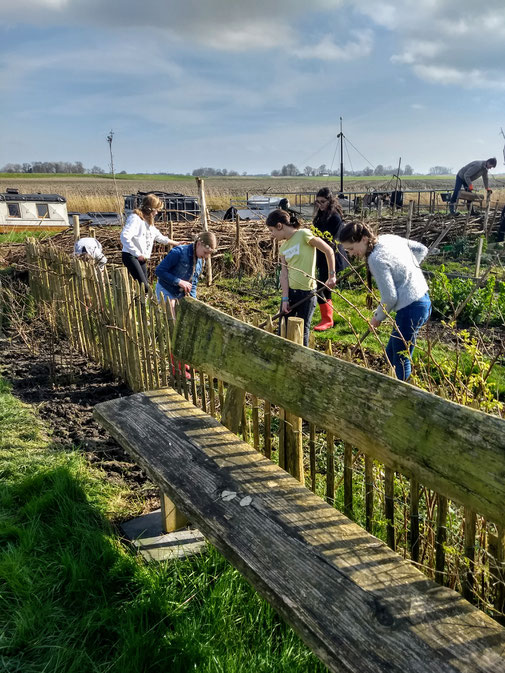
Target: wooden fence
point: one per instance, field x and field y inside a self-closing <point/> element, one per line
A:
<point x="425" y="473"/>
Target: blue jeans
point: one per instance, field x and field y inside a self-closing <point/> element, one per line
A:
<point x="409" y="321"/>
<point x="457" y="188"/>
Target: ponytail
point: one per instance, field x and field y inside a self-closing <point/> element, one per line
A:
<point x="354" y="233"/>
<point x="279" y="216"/>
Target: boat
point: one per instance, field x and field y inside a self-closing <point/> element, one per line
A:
<point x="32" y="212"/>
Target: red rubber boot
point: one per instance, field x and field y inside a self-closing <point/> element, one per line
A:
<point x="326" y="317"/>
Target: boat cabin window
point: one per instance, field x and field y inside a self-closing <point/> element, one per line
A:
<point x="14" y="210"/>
<point x="42" y="209"/>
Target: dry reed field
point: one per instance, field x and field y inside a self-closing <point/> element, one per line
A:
<point x="89" y="194"/>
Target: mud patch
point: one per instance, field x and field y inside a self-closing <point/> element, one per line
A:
<point x="63" y="387"/>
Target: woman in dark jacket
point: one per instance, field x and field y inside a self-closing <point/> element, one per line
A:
<point x="328" y="220"/>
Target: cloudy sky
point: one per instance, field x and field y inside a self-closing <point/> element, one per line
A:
<point x="249" y="85"/>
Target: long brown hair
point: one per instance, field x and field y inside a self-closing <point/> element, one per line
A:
<point x="150" y="203"/>
<point x="280" y="216"/>
<point x="353" y="232"/>
<point x="209" y="240"/>
<point x="333" y="206"/>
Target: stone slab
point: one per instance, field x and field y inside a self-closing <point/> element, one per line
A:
<point x="147" y="538"/>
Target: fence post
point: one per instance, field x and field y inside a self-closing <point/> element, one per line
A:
<point x="171" y="518"/>
<point x="205" y="223"/>
<point x="294" y="445"/>
<point x="469" y="532"/>
<point x="77" y="227"/>
<point x="409" y="219"/>
<point x="389" y="506"/>
<point x="479" y="256"/>
<point x="231" y="413"/>
<point x="441" y="538"/>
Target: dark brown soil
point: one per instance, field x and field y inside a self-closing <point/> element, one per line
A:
<point x="63" y="387"/>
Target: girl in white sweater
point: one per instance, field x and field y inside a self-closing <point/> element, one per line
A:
<point x="394" y="262"/>
<point x="138" y="236"/>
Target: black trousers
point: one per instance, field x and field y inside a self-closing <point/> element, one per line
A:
<point x="136" y="269"/>
<point x="305" y="310"/>
<point x="323" y="292"/>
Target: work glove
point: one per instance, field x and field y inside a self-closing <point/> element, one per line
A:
<point x="489" y="191"/>
<point x="470" y="188"/>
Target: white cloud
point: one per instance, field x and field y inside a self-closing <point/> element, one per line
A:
<point x="449" y="42"/>
<point x="327" y="50"/>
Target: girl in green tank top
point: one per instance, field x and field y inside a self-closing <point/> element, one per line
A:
<point x="298" y="265"/>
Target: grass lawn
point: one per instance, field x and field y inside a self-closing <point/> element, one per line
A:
<point x="75" y="601"/>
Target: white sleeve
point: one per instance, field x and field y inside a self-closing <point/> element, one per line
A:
<point x="158" y="236"/>
<point x="418" y="250"/>
<point x="387" y="288"/>
<point x="129" y="231"/>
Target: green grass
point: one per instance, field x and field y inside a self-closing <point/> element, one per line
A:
<point x="21" y="236"/>
<point x="73" y="600"/>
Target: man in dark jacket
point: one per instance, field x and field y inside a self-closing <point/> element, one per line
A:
<point x="466" y="177"/>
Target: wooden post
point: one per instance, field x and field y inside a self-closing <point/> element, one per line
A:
<point x="231" y="412"/>
<point x="205" y="224"/>
<point x="499" y="603"/>
<point x="202" y="390"/>
<point x="294" y="443"/>
<point x="468" y="579"/>
<point x="237" y="240"/>
<point x="389" y="506"/>
<point x="256" y="423"/>
<point x="486" y="215"/>
<point x="442" y="505"/>
<point x="479" y="256"/>
<point x="379" y="209"/>
<point x="312" y="454"/>
<point x="414" y="520"/>
<point x="77" y="227"/>
<point x="348" y="479"/>
<point x="369" y="485"/>
<point x="212" y="397"/>
<point x="171" y="518"/>
<point x="330" y="468"/>
<point x="409" y="218"/>
<point x="267" y="422"/>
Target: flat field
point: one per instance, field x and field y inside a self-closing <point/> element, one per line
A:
<point x="87" y="193"/>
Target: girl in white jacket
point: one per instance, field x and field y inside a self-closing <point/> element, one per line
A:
<point x="138" y="236"/>
<point x="394" y="262"/>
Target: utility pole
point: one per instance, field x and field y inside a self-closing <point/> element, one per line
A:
<point x="341" y="136"/>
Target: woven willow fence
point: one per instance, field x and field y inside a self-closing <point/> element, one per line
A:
<point x="110" y="319"/>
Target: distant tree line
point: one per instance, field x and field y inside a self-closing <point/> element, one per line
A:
<point x="208" y="172"/>
<point x="52" y="167"/>
<point x="323" y="170"/>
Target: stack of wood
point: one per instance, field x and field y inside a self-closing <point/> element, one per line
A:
<point x="248" y="245"/>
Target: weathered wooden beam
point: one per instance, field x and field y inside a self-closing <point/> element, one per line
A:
<point x="454" y="450"/>
<point x="357" y="605"/>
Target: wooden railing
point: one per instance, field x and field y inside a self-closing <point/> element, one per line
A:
<point x="425" y="473"/>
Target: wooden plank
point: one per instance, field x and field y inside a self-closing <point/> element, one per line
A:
<point x="357" y="605"/>
<point x="324" y="390"/>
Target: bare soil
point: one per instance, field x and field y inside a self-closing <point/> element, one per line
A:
<point x="63" y="387"/>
